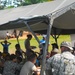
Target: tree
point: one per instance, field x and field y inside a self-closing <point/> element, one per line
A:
<point x="32" y="1"/>
<point x="36" y="1"/>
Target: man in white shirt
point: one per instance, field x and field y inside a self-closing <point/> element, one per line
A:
<point x="29" y="67"/>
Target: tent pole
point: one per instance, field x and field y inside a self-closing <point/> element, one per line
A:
<point x="55" y="34"/>
<point x="32" y="32"/>
<point x="43" y="68"/>
<point x="17" y="40"/>
<point x="16" y="36"/>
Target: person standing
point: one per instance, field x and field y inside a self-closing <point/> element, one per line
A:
<point x="27" y="42"/>
<point x="8" y="35"/>
<point x="5" y="45"/>
<point x="28" y="47"/>
<point x="43" y="40"/>
<point x="62" y="64"/>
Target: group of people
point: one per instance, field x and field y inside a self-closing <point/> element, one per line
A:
<point x="10" y="64"/>
<point x="56" y="63"/>
<point x="62" y="63"/>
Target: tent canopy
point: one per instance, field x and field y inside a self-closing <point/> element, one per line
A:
<point x="60" y="11"/>
<point x="33" y="22"/>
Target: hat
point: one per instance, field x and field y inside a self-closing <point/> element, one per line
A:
<point x="44" y="36"/>
<point x="55" y="50"/>
<point x="66" y="44"/>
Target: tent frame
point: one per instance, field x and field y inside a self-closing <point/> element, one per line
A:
<point x="43" y="67"/>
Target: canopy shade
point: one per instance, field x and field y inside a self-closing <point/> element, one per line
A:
<point x="60" y="11"/>
<point x="33" y="22"/>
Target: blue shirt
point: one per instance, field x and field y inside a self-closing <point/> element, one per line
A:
<point x="42" y="41"/>
<point x="5" y="47"/>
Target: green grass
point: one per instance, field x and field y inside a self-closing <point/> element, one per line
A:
<point x="34" y="42"/>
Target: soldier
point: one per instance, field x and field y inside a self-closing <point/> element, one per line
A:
<point x="62" y="64"/>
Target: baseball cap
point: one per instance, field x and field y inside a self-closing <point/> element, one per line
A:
<point x="66" y="44"/>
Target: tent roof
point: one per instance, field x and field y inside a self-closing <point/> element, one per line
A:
<point x="33" y="22"/>
<point x="61" y="11"/>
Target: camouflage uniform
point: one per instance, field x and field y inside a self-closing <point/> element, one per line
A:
<point x="9" y="68"/>
<point x="61" y="64"/>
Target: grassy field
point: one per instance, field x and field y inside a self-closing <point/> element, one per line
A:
<point x="33" y="42"/>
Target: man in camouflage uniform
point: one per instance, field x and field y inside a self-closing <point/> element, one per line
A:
<point x="62" y="64"/>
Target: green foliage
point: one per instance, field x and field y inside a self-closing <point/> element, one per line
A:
<point x="10" y="7"/>
<point x="24" y="4"/>
<point x="34" y="1"/>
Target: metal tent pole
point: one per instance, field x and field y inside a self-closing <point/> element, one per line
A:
<point x="43" y="67"/>
<point x="17" y="40"/>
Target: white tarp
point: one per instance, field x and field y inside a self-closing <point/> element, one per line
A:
<point x="61" y="11"/>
